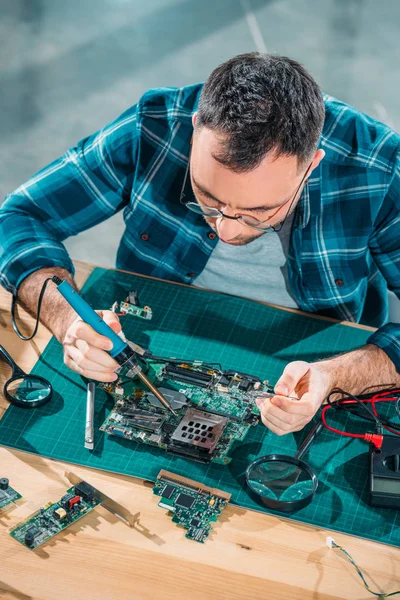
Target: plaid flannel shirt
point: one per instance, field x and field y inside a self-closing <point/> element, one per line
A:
<point x="345" y="243"/>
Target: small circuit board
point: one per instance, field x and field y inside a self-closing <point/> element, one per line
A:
<point x="8" y="496"/>
<point x="214" y="409"/>
<point x="53" y="518"/>
<point x="130" y="306"/>
<point x="195" y="506"/>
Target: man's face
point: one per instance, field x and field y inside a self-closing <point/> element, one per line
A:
<point x="264" y="193"/>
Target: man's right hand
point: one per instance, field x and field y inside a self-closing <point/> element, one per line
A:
<point x="85" y="351"/>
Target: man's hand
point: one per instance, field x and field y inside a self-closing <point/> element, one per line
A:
<point x="85" y="351"/>
<point x="354" y="372"/>
<point x="309" y="383"/>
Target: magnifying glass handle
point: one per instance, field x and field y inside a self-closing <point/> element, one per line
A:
<point x="16" y="370"/>
<point x="312" y="434"/>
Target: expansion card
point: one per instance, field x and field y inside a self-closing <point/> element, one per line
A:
<point x="195" y="506"/>
<point x="8" y="496"/>
<point x="56" y="516"/>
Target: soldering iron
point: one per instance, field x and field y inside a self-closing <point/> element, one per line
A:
<point x="121" y="351"/>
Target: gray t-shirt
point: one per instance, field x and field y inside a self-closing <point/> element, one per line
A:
<point x="257" y="270"/>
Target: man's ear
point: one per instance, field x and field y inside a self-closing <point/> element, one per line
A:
<point x="194" y="117"/>
<point x="319" y="155"/>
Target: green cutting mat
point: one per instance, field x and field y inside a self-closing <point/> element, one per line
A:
<point x="240" y="334"/>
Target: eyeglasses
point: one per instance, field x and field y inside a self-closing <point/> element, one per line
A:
<point x="247" y="220"/>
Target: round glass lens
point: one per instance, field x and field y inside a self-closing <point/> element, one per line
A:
<point x="203" y="210"/>
<point x="254" y="223"/>
<point x="281" y="481"/>
<point x="28" y="389"/>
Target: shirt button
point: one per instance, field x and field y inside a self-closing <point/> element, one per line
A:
<point x="339" y="282"/>
<point x="211" y="235"/>
<point x="191" y="275"/>
<point x="144" y="237"/>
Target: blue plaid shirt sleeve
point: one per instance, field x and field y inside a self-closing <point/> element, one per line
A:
<point x="385" y="248"/>
<point x="87" y="185"/>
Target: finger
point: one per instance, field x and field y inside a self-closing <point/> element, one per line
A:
<point x="271" y="421"/>
<point x="281" y="428"/>
<point x="315" y="398"/>
<point x="93" y="359"/>
<point x="96" y="355"/>
<point x="82" y="331"/>
<point x="111" y="319"/>
<point x="304" y="406"/>
<point x="281" y="418"/>
<point x="103" y="376"/>
<point x="274" y="428"/>
<point x="290" y="377"/>
<point x="283" y="405"/>
<point x="278" y="416"/>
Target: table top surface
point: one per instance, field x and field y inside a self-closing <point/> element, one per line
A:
<point x="248" y="555"/>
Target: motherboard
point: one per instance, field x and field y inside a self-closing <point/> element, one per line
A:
<point x="214" y="409"/>
<point x="194" y="506"/>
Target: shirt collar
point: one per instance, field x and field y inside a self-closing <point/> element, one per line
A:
<point x="303" y="209"/>
<point x="308" y="199"/>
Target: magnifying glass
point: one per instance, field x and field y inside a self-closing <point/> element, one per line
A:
<point x="24" y="390"/>
<point x="284" y="483"/>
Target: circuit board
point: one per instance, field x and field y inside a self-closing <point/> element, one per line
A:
<point x="54" y="517"/>
<point x="195" y="506"/>
<point x="130" y="306"/>
<point x="8" y="496"/>
<point x="214" y="409"/>
<point x="135" y="311"/>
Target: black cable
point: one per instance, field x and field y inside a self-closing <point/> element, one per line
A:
<point x="360" y="402"/>
<point x="367" y="413"/>
<point x="397" y="408"/>
<point x="187" y="361"/>
<point x="39" y="306"/>
<point x="365" y="396"/>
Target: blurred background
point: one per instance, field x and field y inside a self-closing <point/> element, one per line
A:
<point x="67" y="67"/>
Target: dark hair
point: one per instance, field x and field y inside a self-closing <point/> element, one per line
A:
<point x="260" y="104"/>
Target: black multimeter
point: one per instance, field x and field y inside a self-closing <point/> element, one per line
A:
<point x="384" y="487"/>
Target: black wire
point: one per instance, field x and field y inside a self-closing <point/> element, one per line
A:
<point x="354" y="409"/>
<point x="397" y="408"/>
<point x="365" y="396"/>
<point x="39" y="306"/>
<point x="360" y="402"/>
<point x="187" y="361"/>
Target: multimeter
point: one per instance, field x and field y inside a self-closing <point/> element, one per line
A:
<point x="384" y="485"/>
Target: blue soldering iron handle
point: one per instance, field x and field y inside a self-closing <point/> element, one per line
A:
<point x="89" y="316"/>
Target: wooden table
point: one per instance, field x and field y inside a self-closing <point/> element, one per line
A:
<point x="248" y="555"/>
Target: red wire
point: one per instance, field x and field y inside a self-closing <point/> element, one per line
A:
<point x="379" y="397"/>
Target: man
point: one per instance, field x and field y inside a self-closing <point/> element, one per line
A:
<point x="253" y="184"/>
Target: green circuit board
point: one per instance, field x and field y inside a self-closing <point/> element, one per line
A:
<point x="8" y="496"/>
<point x="195" y="506"/>
<point x="54" y="517"/>
<point x="135" y="311"/>
<point x="214" y="409"/>
<point x="130" y="306"/>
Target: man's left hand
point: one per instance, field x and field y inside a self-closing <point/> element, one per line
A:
<point x="310" y="383"/>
